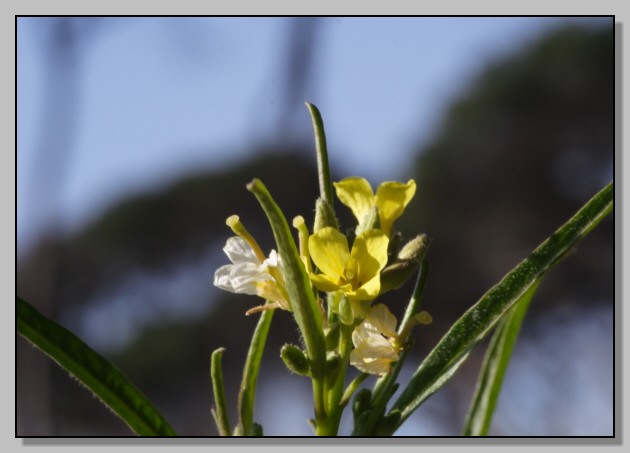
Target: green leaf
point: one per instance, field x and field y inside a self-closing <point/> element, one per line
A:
<point x="494" y="366"/>
<point x="220" y="412"/>
<point x="477" y="321"/>
<point x="246" y="397"/>
<point x="92" y="370"/>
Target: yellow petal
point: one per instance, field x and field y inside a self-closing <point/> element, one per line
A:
<point x="368" y="290"/>
<point x="329" y="251"/>
<point x="325" y="283"/>
<point x="370" y="252"/>
<point x="357" y="194"/>
<point x="391" y="200"/>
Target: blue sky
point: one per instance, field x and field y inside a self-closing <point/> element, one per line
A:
<point x="160" y="97"/>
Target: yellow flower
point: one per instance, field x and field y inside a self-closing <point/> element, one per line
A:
<point x="356" y="272"/>
<point x="390" y="200"/>
<point x="375" y="341"/>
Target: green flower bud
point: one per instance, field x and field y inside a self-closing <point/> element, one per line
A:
<point x="256" y="430"/>
<point x="361" y="402"/>
<point x="333" y="365"/>
<point x="416" y="249"/>
<point x="405" y="264"/>
<point x="369" y="221"/>
<point x="345" y="311"/>
<point x="324" y="216"/>
<point x="393" y="247"/>
<point x="295" y="359"/>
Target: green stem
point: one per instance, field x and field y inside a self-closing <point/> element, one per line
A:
<point x="220" y="412"/>
<point x="352" y="387"/>
<point x="414" y="303"/>
<point x="246" y="397"/>
<point x="334" y="395"/>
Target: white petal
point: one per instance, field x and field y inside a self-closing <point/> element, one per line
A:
<point x="374" y="355"/>
<point x="362" y="332"/>
<point x="377" y="347"/>
<point x="239" y="251"/>
<point x="382" y="320"/>
<point x="375" y="367"/>
<point x="244" y="277"/>
<point x="239" y="278"/>
<point x="222" y="277"/>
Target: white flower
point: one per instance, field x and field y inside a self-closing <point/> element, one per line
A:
<point x="247" y="275"/>
<point x="375" y="341"/>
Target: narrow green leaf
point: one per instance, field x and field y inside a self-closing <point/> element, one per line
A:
<point x="247" y="395"/>
<point x="220" y="411"/>
<point x="92" y="370"/>
<point x="477" y="321"/>
<point x="325" y="181"/>
<point x="494" y="366"/>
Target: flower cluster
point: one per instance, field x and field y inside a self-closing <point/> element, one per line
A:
<point x="348" y="268"/>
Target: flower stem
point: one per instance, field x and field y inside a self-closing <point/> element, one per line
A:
<point x="334" y="394"/>
<point x="250" y="375"/>
<point x="220" y="411"/>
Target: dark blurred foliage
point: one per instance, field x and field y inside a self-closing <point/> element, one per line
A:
<point x="527" y="144"/>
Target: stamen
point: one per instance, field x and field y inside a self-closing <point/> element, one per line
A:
<point x="267" y="306"/>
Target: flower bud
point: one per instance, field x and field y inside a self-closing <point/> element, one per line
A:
<point x="345" y="311"/>
<point x="295" y="359"/>
<point x="361" y="401"/>
<point x="393" y="247"/>
<point x="405" y="264"/>
<point x="324" y="216"/>
<point x="369" y="221"/>
<point x="333" y="365"/>
<point x="256" y="430"/>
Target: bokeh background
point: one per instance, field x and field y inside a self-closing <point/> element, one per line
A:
<point x="136" y="137"/>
